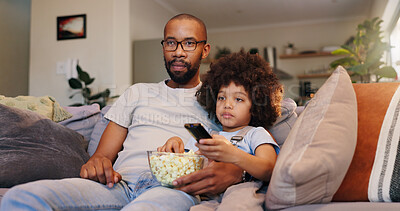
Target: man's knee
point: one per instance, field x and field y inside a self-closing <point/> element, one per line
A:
<point x="21" y="197"/>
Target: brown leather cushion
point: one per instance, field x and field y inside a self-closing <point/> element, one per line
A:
<point x="372" y="102"/>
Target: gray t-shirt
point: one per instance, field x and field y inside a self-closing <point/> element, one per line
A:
<point x="152" y="112"/>
<point x="253" y="138"/>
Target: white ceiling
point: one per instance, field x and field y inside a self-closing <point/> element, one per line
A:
<point x="231" y="14"/>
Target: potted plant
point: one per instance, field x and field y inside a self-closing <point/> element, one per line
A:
<point x="82" y="83"/>
<point x="364" y="53"/>
<point x="222" y="52"/>
<point x="289" y="49"/>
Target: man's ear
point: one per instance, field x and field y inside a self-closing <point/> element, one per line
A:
<point x="206" y="50"/>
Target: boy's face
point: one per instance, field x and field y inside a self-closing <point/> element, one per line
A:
<point x="233" y="107"/>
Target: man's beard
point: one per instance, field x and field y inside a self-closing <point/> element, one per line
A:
<point x="181" y="79"/>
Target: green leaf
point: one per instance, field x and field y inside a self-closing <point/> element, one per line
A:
<point x="84" y="76"/>
<point x="349" y="48"/>
<point x="79" y="69"/>
<point x="76" y="104"/>
<point x="104" y="94"/>
<point x="387" y="72"/>
<point x="86" y="93"/>
<point x="376" y="51"/>
<point x="75" y="83"/>
<point x="101" y="104"/>
<point x="345" y="62"/>
<point x="341" y="51"/>
<point x="89" y="81"/>
<point x="359" y="69"/>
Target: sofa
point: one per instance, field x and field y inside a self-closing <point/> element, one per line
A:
<point x="339" y="152"/>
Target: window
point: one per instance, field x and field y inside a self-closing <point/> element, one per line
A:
<point x="395" y="50"/>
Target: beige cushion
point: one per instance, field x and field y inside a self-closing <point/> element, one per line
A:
<point x="45" y="105"/>
<point x="317" y="153"/>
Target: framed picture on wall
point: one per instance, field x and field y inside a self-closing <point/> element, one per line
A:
<point x="71" y="27"/>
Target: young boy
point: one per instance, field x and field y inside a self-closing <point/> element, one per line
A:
<point x="240" y="90"/>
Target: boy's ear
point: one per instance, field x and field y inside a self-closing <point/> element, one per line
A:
<point x="206" y="51"/>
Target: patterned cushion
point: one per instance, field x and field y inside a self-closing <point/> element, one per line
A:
<point x="46" y="106"/>
<point x="371" y="115"/>
<point x="317" y="153"/>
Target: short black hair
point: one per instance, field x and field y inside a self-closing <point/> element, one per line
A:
<point x="186" y="16"/>
<point x="257" y="78"/>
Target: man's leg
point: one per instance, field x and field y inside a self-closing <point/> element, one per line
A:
<point x="162" y="198"/>
<point x="65" y="194"/>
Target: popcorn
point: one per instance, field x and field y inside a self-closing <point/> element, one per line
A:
<point x="167" y="167"/>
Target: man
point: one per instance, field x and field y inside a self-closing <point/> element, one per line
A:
<point x="140" y="120"/>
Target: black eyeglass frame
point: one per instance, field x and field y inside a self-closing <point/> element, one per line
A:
<point x="177" y="44"/>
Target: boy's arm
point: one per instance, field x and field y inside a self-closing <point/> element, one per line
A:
<point x="261" y="164"/>
<point x="99" y="166"/>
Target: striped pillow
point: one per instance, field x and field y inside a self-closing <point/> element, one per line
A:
<point x="374" y="172"/>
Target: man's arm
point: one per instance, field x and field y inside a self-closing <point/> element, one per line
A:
<point x="213" y="179"/>
<point x="99" y="166"/>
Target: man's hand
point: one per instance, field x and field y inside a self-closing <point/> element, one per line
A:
<point x="100" y="169"/>
<point x="213" y="179"/>
<point x="99" y="166"/>
<point x="173" y="144"/>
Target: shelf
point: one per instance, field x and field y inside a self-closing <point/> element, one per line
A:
<point x="318" y="75"/>
<point x="306" y="55"/>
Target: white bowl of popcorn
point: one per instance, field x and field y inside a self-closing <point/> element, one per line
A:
<point x="167" y="166"/>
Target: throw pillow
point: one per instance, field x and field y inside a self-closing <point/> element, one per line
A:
<point x="46" y="106"/>
<point x="83" y="119"/>
<point x="33" y="147"/>
<point x="282" y="126"/>
<point x="317" y="153"/>
<point x="377" y="146"/>
<point x="98" y="131"/>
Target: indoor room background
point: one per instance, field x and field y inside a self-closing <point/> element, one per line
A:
<point x="122" y="45"/>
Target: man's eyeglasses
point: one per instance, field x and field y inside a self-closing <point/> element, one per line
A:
<point x="187" y="45"/>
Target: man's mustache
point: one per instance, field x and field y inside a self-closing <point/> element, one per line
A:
<point x="180" y="61"/>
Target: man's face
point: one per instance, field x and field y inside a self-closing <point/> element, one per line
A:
<point x="182" y="66"/>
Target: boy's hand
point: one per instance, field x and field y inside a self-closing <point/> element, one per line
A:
<point x="218" y="148"/>
<point x="100" y="169"/>
<point x="173" y="144"/>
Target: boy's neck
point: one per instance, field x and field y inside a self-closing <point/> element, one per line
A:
<point x="225" y="129"/>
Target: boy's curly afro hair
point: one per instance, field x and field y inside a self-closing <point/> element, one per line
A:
<point x="257" y="78"/>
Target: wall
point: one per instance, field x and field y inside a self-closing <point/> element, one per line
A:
<point x="305" y="36"/>
<point x="378" y="6"/>
<point x="148" y="65"/>
<point x="14" y="50"/>
<point x="100" y="54"/>
<point x="148" y="19"/>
